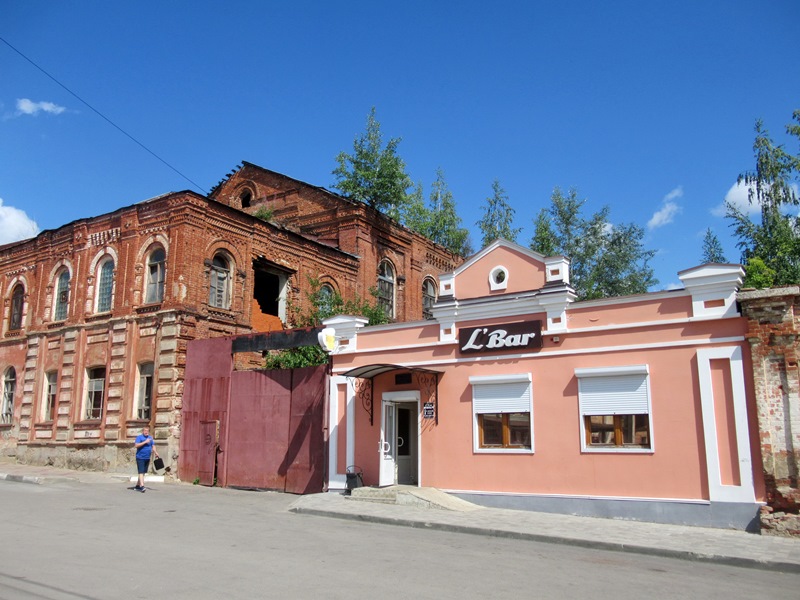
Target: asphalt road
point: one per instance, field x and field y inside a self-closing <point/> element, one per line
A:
<point x="70" y="541"/>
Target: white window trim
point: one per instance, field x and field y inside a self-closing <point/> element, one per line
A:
<point x="614" y="372"/>
<point x="495" y="285"/>
<point x="495" y="379"/>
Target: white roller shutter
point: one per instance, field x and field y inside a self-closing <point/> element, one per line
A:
<point x="501" y="397"/>
<point x="614" y="394"/>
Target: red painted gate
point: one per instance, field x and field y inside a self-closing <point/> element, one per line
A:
<point x="271" y="424"/>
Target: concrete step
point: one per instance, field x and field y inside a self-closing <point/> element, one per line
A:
<point x="408" y="495"/>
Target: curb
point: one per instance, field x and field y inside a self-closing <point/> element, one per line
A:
<point x="20" y="478"/>
<point x="566" y="541"/>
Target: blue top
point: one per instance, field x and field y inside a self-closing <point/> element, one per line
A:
<point x="144" y="451"/>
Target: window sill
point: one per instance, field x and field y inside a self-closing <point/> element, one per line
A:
<point x="503" y="450"/>
<point x="221" y="313"/>
<point x="97" y="316"/>
<point x="14" y="333"/>
<point x="88" y="424"/>
<point x="148" y="308"/>
<point x="615" y="450"/>
<point x="44" y="425"/>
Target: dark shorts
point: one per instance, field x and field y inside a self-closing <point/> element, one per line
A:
<point x="142" y="464"/>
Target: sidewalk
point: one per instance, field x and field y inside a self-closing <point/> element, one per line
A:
<point x="689" y="543"/>
<point x="10" y="470"/>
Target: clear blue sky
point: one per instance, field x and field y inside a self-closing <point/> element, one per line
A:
<point x="647" y="107"/>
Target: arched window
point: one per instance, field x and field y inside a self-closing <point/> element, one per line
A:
<point x="9" y="388"/>
<point x="246" y="197"/>
<point x="62" y="296"/>
<point x="325" y="301"/>
<point x="428" y="298"/>
<point x="156" y="270"/>
<point x="386" y="288"/>
<point x="219" y="290"/>
<point x="105" y="285"/>
<point x="17" y="301"/>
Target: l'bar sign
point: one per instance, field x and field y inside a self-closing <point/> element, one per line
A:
<point x="501" y="338"/>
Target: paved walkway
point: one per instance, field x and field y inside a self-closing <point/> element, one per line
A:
<point x="676" y="541"/>
<point x="691" y="543"/>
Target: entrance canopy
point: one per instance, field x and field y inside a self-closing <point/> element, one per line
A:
<point x="370" y="371"/>
<point x="426" y="378"/>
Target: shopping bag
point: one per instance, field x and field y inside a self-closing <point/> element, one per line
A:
<point x="158" y="463"/>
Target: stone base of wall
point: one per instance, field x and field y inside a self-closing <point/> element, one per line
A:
<point x="782" y="516"/>
<point x="108" y="458"/>
<point x="721" y="515"/>
<point x="779" y="523"/>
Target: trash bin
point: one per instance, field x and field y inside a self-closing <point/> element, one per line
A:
<point x="354" y="478"/>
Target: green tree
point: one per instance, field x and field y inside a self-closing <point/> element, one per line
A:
<point x="439" y="220"/>
<point x="374" y="173"/>
<point x="712" y="249"/>
<point x="773" y="185"/>
<point x="605" y="260"/>
<point x="544" y="238"/>
<point x="321" y="303"/>
<point x="445" y="225"/>
<point x="497" y="217"/>
<point x="416" y="215"/>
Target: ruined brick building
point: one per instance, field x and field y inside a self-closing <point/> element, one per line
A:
<point x="773" y="333"/>
<point x="97" y="313"/>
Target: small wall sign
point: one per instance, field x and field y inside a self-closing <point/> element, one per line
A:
<point x="428" y="411"/>
<point x="501" y="338"/>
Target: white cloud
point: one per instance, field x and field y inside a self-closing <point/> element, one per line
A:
<point x="29" y="107"/>
<point x="666" y="214"/>
<point x="15" y="225"/>
<point x="738" y="195"/>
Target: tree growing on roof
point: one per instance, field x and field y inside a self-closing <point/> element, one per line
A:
<point x="374" y="174"/>
<point x="605" y="260"/>
<point x="712" y="249"/>
<point x="770" y="248"/>
<point x="439" y="221"/>
<point x="497" y="217"/>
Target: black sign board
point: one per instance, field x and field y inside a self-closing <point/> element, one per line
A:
<point x="428" y="412"/>
<point x="511" y="337"/>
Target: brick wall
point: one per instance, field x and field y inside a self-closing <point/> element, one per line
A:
<point x="316" y="234"/>
<point x="773" y="327"/>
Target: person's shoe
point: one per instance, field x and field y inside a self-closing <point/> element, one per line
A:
<point x="142" y="489"/>
<point x="138" y="488"/>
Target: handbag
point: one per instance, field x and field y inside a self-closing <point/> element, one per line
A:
<point x="158" y="463"/>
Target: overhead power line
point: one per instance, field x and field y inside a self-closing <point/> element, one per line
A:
<point x="105" y="118"/>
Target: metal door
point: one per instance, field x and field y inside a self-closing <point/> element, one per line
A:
<point x="209" y="442"/>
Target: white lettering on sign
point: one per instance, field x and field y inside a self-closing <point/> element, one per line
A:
<point x="497" y="338"/>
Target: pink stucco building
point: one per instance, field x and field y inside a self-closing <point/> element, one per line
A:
<point x="516" y="395"/>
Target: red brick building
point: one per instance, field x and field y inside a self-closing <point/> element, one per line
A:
<point x="97" y="313"/>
